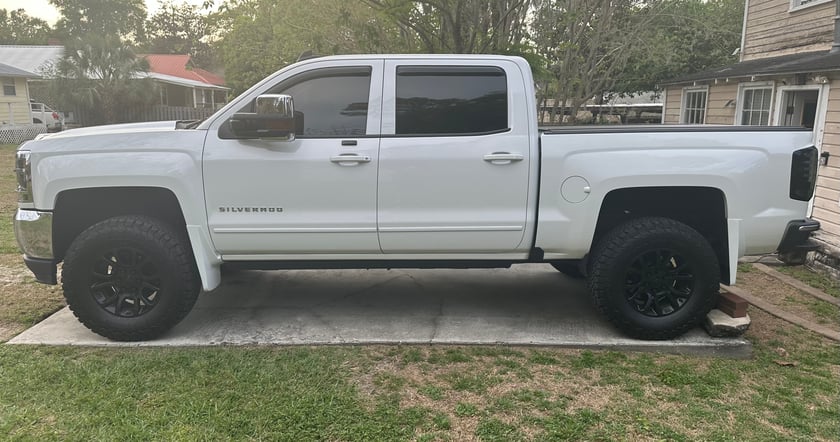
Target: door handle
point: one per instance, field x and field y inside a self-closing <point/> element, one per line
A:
<point x="349" y="159"/>
<point x="503" y="157"/>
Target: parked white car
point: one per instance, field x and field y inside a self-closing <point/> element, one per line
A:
<point x="405" y="161"/>
<point x="42" y="114"/>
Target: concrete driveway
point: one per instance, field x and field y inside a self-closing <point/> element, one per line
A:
<point x="523" y="305"/>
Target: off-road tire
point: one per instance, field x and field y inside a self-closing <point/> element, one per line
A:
<point x="160" y="248"/>
<point x="610" y="278"/>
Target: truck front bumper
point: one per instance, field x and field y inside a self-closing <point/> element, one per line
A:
<point x="797" y="237"/>
<point x="33" y="230"/>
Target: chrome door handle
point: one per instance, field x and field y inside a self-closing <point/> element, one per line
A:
<point x="349" y="159"/>
<point x="503" y="157"/>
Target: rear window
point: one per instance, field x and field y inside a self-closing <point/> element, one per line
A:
<point x="451" y="100"/>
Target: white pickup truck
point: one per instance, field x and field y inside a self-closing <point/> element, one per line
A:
<point x="42" y="114"/>
<point x="406" y="161"/>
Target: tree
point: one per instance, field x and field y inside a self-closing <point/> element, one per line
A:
<point x="102" y="75"/>
<point x="687" y="36"/>
<point x="122" y="18"/>
<point x="587" y="44"/>
<point x="180" y="29"/>
<point x="460" y="26"/>
<point x="17" y="27"/>
<point x="259" y="37"/>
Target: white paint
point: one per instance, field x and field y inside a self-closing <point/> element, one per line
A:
<point x="419" y="197"/>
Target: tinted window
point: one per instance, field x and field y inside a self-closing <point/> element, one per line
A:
<point x="450" y="100"/>
<point x="331" y="102"/>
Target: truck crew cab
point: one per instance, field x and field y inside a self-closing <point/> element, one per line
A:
<point x="409" y="161"/>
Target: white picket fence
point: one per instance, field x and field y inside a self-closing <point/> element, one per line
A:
<point x="18" y="133"/>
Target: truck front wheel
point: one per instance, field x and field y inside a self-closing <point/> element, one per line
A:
<point x="654" y="278"/>
<point x="130" y="278"/>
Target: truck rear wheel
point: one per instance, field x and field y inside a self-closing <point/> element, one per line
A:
<point x="654" y="278"/>
<point x="129" y="278"/>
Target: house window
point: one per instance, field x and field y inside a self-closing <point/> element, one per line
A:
<point x="164" y="95"/>
<point x="801" y="4"/>
<point x="9" y="87"/>
<point x="755" y="106"/>
<point x="694" y="105"/>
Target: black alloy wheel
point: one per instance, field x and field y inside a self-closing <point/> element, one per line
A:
<point x="125" y="283"/>
<point x="659" y="283"/>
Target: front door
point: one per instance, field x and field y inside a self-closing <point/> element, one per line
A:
<point x="454" y="159"/>
<point x="314" y="195"/>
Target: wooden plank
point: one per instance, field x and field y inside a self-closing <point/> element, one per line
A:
<point x="827" y="204"/>
<point x="834" y="100"/>
<point x="781" y="10"/>
<point x="828" y="183"/>
<point x="830" y="171"/>
<point x="767" y="9"/>
<point x="833" y="116"/>
<point x="830" y="221"/>
<point x="827" y="208"/>
<point x="790" y="21"/>
<point x="812" y="32"/>
<point x="830" y="194"/>
<point x="797" y="284"/>
<point x="783" y="47"/>
<point x="779" y="313"/>
<point x="833" y="229"/>
<point x="831" y="127"/>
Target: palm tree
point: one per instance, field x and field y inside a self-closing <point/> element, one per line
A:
<point x="103" y="75"/>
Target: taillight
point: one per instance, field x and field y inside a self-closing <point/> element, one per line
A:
<point x="55" y="115"/>
<point x="803" y="173"/>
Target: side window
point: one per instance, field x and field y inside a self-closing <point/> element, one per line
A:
<point x="330" y="102"/>
<point x="451" y="100"/>
<point x="694" y="105"/>
<point x="9" y="87"/>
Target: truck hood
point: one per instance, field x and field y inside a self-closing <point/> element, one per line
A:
<point x="130" y="128"/>
<point x="135" y="137"/>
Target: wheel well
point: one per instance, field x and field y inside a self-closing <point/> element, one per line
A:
<point x="702" y="208"/>
<point x="78" y="209"/>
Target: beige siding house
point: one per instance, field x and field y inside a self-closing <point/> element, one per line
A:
<point x="14" y="101"/>
<point x="788" y="76"/>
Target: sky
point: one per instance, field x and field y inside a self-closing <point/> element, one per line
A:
<point x="43" y="10"/>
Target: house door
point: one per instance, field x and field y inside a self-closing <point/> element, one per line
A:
<point x="800" y="108"/>
<point x="804" y="106"/>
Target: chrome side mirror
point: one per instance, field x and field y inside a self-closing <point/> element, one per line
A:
<point x="274" y="119"/>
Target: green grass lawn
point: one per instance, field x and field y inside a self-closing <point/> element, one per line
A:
<point x="8" y="198"/>
<point x="787" y="391"/>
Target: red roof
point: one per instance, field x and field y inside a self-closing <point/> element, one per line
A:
<point x="179" y="66"/>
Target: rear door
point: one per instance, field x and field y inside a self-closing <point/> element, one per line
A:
<point x="454" y="158"/>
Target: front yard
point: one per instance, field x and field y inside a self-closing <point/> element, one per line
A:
<point x="788" y="390"/>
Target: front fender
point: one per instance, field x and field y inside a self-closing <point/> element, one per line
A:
<point x="177" y="171"/>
